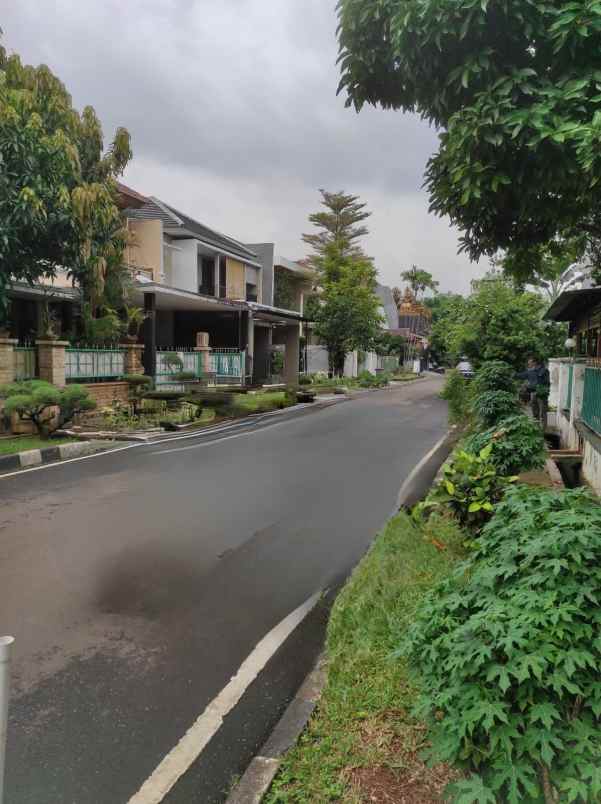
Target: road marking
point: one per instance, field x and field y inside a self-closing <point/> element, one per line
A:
<point x="253" y="431"/>
<point x="415" y="471"/>
<point x="69" y="460"/>
<point x="189" y="748"/>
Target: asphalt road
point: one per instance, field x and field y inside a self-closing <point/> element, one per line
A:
<point x="136" y="583"/>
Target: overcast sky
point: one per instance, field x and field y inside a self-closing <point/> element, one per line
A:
<point x="234" y="118"/>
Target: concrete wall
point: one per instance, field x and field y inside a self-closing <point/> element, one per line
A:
<point x="184" y="266"/>
<point x="317" y="360"/>
<point x="235" y="279"/>
<point x="591" y="465"/>
<point x="265" y="253"/>
<point x="146" y="248"/>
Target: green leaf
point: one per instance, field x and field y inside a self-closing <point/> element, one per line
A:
<point x="472" y="791"/>
<point x="450" y="487"/>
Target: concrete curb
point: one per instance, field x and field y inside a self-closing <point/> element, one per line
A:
<point x="62" y="452"/>
<point x="259" y="775"/>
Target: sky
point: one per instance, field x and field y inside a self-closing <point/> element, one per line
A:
<point x="234" y="118"/>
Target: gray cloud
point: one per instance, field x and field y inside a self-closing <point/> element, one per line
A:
<point x="234" y="116"/>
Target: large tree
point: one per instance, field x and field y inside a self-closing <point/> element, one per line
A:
<point x="449" y="310"/>
<point x="500" y="322"/>
<point x="57" y="183"/>
<point x="340" y="223"/>
<point x="418" y="280"/>
<point x="515" y="90"/>
<point x="347" y="314"/>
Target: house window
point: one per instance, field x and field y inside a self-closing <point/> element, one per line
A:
<point x="206" y="275"/>
<point x="252" y="283"/>
<point x="222" y="277"/>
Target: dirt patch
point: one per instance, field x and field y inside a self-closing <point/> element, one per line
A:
<point x="398" y="774"/>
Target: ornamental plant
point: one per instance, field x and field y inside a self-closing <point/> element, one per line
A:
<point x="470" y="488"/>
<point x="509" y="649"/>
<point x="518" y="444"/>
<point x="495" y="375"/>
<point x="491" y="407"/>
<point x="457" y="393"/>
<point x="45" y="405"/>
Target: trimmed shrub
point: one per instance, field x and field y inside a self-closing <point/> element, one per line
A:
<point x="508" y="651"/>
<point x="518" y="444"/>
<point x="45" y="405"/>
<point x="457" y="393"/>
<point x="495" y="375"/>
<point x="491" y="407"/>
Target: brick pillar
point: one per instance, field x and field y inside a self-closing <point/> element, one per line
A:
<point x="133" y="358"/>
<point x="202" y="346"/>
<point x="51" y="361"/>
<point x="7" y="360"/>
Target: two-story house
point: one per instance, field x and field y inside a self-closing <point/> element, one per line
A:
<point x="192" y="279"/>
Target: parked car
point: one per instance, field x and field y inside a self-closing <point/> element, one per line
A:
<point x="465" y="368"/>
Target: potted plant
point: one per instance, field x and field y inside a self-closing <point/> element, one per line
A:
<point x="134" y="318"/>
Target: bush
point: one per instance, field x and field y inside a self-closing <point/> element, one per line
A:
<point x="137" y="379"/>
<point x="365" y="379"/>
<point x="491" y="407"/>
<point x="304" y="379"/>
<point x="184" y="376"/>
<point x="495" y="375"/>
<point x="518" y="444"/>
<point x="470" y="488"/>
<point x="508" y="652"/>
<point x="45" y="405"/>
<point x="457" y="393"/>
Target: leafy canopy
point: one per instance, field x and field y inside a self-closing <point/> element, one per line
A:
<point x="515" y="89"/>
<point x="499" y="322"/>
<point x="57" y="183"/>
<point x="419" y="280"/>
<point x="340" y="223"/>
<point x="45" y="405"/>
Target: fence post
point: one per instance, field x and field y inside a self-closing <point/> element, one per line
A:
<point x="202" y="346"/>
<point x="5" y="653"/>
<point x="133" y="358"/>
<point x="7" y="360"/>
<point x="51" y="361"/>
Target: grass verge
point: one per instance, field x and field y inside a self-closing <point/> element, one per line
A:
<point x="363" y="744"/>
<point x="9" y="446"/>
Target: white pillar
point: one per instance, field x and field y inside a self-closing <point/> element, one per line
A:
<point x="291" y="354"/>
<point x="217" y="277"/>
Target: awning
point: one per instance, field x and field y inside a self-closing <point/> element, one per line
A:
<point x="52" y="293"/>
<point x="168" y="298"/>
<point x="573" y="303"/>
<point x="274" y="315"/>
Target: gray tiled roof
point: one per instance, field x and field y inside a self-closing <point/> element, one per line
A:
<point x="174" y="220"/>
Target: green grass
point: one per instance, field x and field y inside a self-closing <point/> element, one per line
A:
<point x="255" y="403"/>
<point x="362" y="719"/>
<point x="8" y="446"/>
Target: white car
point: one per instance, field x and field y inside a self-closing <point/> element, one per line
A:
<point x="465" y="368"/>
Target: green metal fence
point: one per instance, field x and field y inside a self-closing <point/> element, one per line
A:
<point x="228" y="366"/>
<point x="591" y="400"/>
<point x="94" y="364"/>
<point x="25" y="362"/>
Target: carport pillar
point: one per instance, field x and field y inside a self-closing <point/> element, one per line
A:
<point x="150" y="334"/>
<point x="291" y="354"/>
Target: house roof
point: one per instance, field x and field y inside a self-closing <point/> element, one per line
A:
<point x="294" y="267"/>
<point x="181" y="225"/>
<point x="571" y="303"/>
<point x="129" y="197"/>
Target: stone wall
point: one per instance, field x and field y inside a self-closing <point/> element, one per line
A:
<point x="105" y="393"/>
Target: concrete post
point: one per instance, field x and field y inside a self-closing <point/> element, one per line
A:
<point x="133" y="358"/>
<point x="7" y="360"/>
<point x="150" y="334"/>
<point x="554" y="366"/>
<point x="5" y="654"/>
<point x="577" y="392"/>
<point x="291" y="354"/>
<point x="202" y="346"/>
<point x="51" y="361"/>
